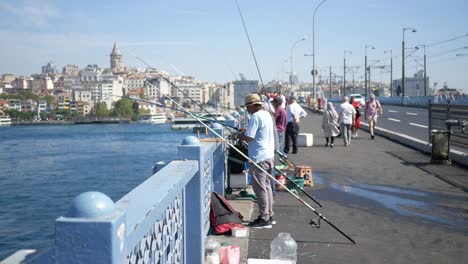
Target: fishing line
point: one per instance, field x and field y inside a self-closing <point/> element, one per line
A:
<point x="176" y="109"/>
<point x="180" y="90"/>
<point x="250" y="44"/>
<point x="313" y="222"/>
<point x="229" y="127"/>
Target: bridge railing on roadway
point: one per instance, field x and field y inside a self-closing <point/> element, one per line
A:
<point x="163" y="220"/>
<point x="421" y="101"/>
<point x="439" y="113"/>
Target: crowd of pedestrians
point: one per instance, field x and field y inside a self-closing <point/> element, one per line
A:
<point x="273" y="124"/>
<point x="345" y="121"/>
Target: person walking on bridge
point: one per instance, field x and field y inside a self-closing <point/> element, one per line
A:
<point x="261" y="139"/>
<point x="330" y="124"/>
<point x="357" y="119"/>
<point x="347" y="116"/>
<point x="372" y="106"/>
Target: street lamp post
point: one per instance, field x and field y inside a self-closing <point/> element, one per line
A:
<point x="291" y="59"/>
<point x="313" y="48"/>
<point x="391" y="71"/>
<point x="365" y="68"/>
<point x="425" y="71"/>
<point x="403" y="61"/>
<point x="330" y="84"/>
<point x="344" y="71"/>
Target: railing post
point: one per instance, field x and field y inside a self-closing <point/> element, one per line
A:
<point x="92" y="231"/>
<point x="219" y="161"/>
<point x="430" y="119"/>
<point x="194" y="219"/>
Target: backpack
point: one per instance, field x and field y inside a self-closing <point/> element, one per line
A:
<point x="223" y="217"/>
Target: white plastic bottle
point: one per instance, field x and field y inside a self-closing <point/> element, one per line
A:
<point x="212" y="251"/>
<point x="284" y="247"/>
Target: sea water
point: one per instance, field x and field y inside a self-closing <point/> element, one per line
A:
<point x="42" y="168"/>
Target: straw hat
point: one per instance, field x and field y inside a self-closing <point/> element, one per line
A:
<point x="252" y="99"/>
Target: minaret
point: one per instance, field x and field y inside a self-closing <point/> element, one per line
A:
<point x="115" y="59"/>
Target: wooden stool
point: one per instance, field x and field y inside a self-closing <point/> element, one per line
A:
<point x="305" y="172"/>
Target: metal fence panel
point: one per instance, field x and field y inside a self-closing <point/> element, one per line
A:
<point x="439" y="113"/>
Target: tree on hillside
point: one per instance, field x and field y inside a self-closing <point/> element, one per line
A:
<point x="23" y="95"/>
<point x="101" y="110"/>
<point x="51" y="100"/>
<point x="18" y="115"/>
<point x="123" y="108"/>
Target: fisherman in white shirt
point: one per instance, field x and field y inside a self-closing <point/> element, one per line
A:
<point x="294" y="113"/>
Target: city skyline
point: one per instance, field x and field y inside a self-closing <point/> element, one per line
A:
<point x="206" y="39"/>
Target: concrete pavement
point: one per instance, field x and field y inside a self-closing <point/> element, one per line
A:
<point x="384" y="195"/>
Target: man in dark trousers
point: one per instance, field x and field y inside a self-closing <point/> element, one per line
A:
<point x="294" y="113"/>
<point x="261" y="139"/>
<point x="280" y="120"/>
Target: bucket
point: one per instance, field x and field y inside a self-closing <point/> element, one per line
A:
<point x="299" y="181"/>
<point x="281" y="179"/>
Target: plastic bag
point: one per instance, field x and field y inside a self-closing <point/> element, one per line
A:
<point x="230" y="255"/>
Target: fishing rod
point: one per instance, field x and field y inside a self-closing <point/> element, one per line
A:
<point x="268" y="104"/>
<point x="263" y="90"/>
<point x="298" y="187"/>
<point x="176" y="109"/>
<point x="313" y="222"/>
<point x="229" y="126"/>
<point x="250" y="44"/>
<point x="180" y="90"/>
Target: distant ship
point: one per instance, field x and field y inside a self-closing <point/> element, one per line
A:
<point x="160" y="118"/>
<point x="5" y="121"/>
<point x="189" y="122"/>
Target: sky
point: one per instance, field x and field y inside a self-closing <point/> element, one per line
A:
<point x="206" y="39"/>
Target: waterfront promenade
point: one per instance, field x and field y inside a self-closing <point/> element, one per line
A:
<point x="386" y="196"/>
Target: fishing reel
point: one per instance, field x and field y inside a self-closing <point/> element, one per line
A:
<point x="315" y="223"/>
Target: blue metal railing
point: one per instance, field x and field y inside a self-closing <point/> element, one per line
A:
<point x="163" y="220"/>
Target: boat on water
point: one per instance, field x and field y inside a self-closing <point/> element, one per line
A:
<point x="5" y="121"/>
<point x="160" y="118"/>
<point x="189" y="122"/>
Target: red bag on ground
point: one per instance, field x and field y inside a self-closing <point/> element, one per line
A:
<point x="222" y="215"/>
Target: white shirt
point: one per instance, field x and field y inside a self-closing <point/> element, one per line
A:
<point x="283" y="104"/>
<point x="296" y="110"/>
<point x="260" y="128"/>
<point x="346" y="112"/>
